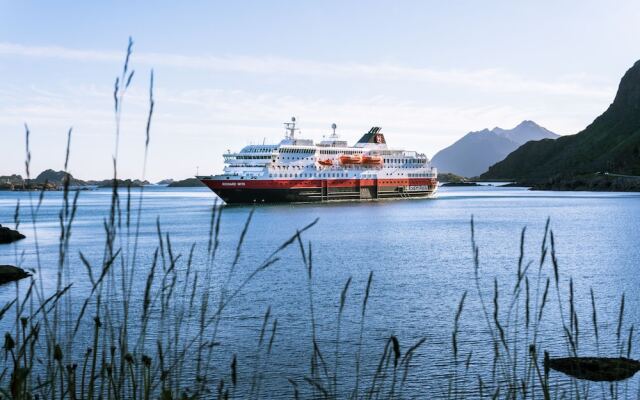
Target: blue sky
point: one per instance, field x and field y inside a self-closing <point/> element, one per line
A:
<point x="229" y="73"/>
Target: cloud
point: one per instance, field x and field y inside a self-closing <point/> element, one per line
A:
<point x="193" y="126"/>
<point x="492" y="79"/>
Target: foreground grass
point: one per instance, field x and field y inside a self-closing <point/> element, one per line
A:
<point x="110" y="345"/>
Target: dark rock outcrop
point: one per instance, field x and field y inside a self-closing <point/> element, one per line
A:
<point x="9" y="273"/>
<point x="595" y="368"/>
<point x="11" y="182"/>
<point x="57" y="177"/>
<point x="46" y="180"/>
<point x="122" y="183"/>
<point x="9" y="235"/>
<point x="190" y="182"/>
<point x="446" y="177"/>
<point x="593" y="183"/>
<point x="462" y="184"/>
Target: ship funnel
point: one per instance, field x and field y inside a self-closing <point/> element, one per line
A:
<point x="373" y="136"/>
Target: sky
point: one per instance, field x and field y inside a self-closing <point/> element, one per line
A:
<point x="229" y="73"/>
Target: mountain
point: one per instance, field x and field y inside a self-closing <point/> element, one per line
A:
<point x="526" y="131"/>
<point x="475" y="152"/>
<point x="610" y="143"/>
<point x="57" y="178"/>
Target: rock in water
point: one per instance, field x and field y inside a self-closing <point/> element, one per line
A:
<point x="596" y="368"/>
<point x="8" y="235"/>
<point x="9" y="273"/>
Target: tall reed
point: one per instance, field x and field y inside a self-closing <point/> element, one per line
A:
<point x="105" y="344"/>
<point x="520" y="365"/>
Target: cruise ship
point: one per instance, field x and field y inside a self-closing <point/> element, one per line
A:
<point x="299" y="170"/>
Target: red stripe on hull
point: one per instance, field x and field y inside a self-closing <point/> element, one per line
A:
<point x="315" y="183"/>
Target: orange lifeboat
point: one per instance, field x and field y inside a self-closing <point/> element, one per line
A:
<point x="326" y="163"/>
<point x="350" y="159"/>
<point x="372" y="160"/>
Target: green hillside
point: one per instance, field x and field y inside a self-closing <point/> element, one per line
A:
<point x="611" y="143"/>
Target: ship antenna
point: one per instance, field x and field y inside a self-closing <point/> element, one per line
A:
<point x="290" y="127"/>
<point x="334" y="126"/>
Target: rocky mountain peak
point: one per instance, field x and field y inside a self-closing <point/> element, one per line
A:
<point x="628" y="94"/>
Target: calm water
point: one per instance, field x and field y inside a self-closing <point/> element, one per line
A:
<point x="418" y="250"/>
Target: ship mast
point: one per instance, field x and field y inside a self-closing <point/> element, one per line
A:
<point x="290" y="127"/>
<point x="334" y="136"/>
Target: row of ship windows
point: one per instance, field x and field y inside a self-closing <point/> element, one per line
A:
<point x="387" y="160"/>
<point x="321" y="175"/>
<point x="312" y="151"/>
<point x="340" y="152"/>
<point x="300" y="151"/>
<point x="252" y="157"/>
<point x="353" y="167"/>
<point x="329" y="175"/>
<point x="299" y="167"/>
<point x="259" y="150"/>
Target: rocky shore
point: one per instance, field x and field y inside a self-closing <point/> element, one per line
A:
<point x="56" y="180"/>
<point x="596" y="183"/>
<point x="107" y="183"/>
<point x="9" y="273"/>
<point x="457" y="184"/>
<point x="190" y="182"/>
<point x="9" y="235"/>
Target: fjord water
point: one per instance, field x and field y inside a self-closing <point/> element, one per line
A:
<point x="419" y="252"/>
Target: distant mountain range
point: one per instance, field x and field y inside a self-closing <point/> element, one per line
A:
<point x="611" y="143"/>
<point x="54" y="180"/>
<point x="475" y="152"/>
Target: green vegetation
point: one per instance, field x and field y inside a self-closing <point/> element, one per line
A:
<point x="610" y="144"/>
<point x="447" y="177"/>
<point x="189" y="182"/>
<point x="108" y="183"/>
